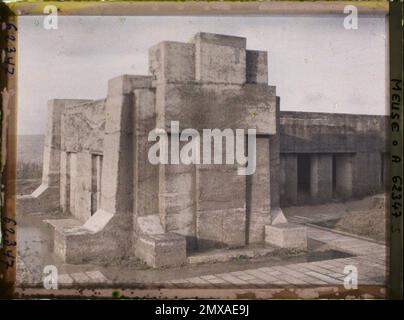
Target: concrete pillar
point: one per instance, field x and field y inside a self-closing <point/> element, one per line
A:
<point x="172" y="61"/>
<point x="46" y="198"/>
<point x="257" y="66"/>
<point x="96" y="168"/>
<point x="220" y="58"/>
<point x="366" y="173"/>
<point x="321" y="177"/>
<point x="259" y="191"/>
<point x="274" y="161"/>
<point x="177" y="204"/>
<point x="288" y="178"/>
<point x="221" y="206"/>
<point x="343" y="176"/>
<point x="82" y="187"/>
<point x="73" y="182"/>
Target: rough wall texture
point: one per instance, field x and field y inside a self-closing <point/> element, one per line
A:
<point x="310" y="132"/>
<point x="347" y="155"/>
<point x="83" y="127"/>
<point x="83" y="131"/>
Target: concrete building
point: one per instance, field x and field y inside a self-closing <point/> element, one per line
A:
<point x="96" y="166"/>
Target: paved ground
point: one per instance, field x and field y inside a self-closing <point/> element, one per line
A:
<point x="329" y="253"/>
<point x="369" y="259"/>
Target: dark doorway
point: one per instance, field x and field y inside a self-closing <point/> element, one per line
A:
<point x="303" y="177"/>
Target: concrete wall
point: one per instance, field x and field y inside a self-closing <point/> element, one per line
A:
<point x="129" y="206"/>
<point x="46" y="198"/>
<point x="83" y="130"/>
<point x="310" y="132"/>
<point x="346" y="153"/>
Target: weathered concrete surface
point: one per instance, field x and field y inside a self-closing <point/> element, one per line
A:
<point x="343" y="183"/>
<point x="310" y="132"/>
<point x="46" y="197"/>
<point x="257" y="66"/>
<point x="260" y="193"/>
<point x="288" y="184"/>
<point x="161" y="250"/>
<point x="367" y="173"/>
<point x="221" y="207"/>
<point x="220" y="58"/>
<point x="83" y="127"/>
<point x="171" y="61"/>
<point x="221" y="106"/>
<point x="321" y="177"/>
<point x="210" y="90"/>
<point x="286" y="235"/>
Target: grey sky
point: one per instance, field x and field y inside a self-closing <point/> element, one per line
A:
<point x="314" y="62"/>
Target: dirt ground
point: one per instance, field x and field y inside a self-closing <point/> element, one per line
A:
<point x="365" y="217"/>
<point x="27" y="186"/>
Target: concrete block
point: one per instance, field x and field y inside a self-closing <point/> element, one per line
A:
<point x="219" y="58"/>
<point x="221" y="39"/>
<point x="83" y="127"/>
<point x="234" y="225"/>
<point x="177" y="203"/>
<point x="64" y="181"/>
<point x="44" y="199"/>
<point x="258" y="190"/>
<point x="257" y="66"/>
<point x="125" y="84"/>
<point x="220" y="188"/>
<point x="117" y="166"/>
<point x="82" y="187"/>
<point x="52" y="146"/>
<point x="59" y="224"/>
<point x="286" y="235"/>
<point x="171" y="61"/>
<point x="274" y="161"/>
<point x="256" y="226"/>
<point x="149" y="224"/>
<point x="260" y="180"/>
<point x="209" y="229"/>
<point x="161" y="250"/>
<point x="73" y="182"/>
<point x="204" y="106"/>
<point x="146" y="175"/>
<point x="321" y="183"/>
<point x="102" y="238"/>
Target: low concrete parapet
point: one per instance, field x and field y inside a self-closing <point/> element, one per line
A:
<point x="286" y="235"/>
<point x="44" y="199"/>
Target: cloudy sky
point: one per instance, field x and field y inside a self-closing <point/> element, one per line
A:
<point x="314" y="62"/>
